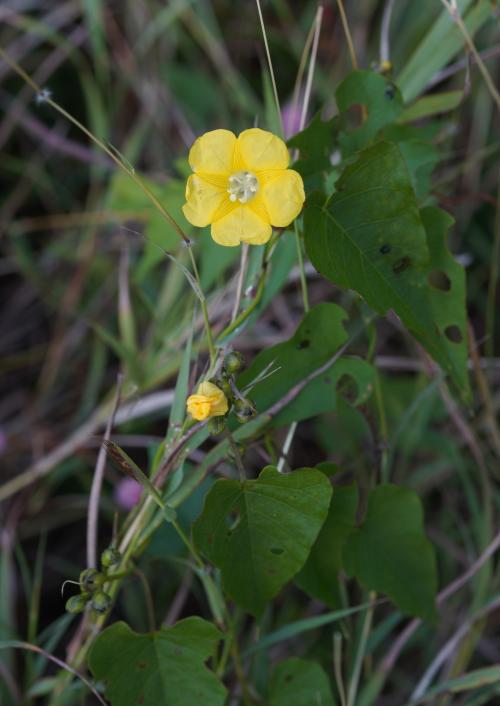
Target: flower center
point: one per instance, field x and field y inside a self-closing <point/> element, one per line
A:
<point x="242" y="186"/>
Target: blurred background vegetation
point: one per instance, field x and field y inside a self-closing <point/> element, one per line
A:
<point x="87" y="290"/>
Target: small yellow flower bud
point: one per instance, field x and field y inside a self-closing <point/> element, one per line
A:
<point x="209" y="401"/>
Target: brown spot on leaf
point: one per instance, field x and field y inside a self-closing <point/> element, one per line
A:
<point x="401" y="265"/>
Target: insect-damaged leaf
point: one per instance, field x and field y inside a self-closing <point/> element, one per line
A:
<point x="371" y="237"/>
<point x="259" y="532"/>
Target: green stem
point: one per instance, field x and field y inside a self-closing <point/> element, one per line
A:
<point x="360" y="653"/>
<point x="204" y="311"/>
<point x="303" y="280"/>
<point x="239" y="320"/>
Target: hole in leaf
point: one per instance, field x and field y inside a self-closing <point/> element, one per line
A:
<point x="304" y="344"/>
<point x="385" y="249"/>
<point x="401" y="265"/>
<point x="233" y="520"/>
<point x="390" y="92"/>
<point x="277" y="550"/>
<point x="453" y="334"/>
<point x="439" y="280"/>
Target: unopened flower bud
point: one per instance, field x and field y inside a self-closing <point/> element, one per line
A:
<point x="90" y="580"/>
<point x="110" y="557"/>
<point x="101" y="602"/>
<point x="76" y="604"/>
<point x="216" y="425"/>
<point x="234" y="362"/>
<point x="244" y="409"/>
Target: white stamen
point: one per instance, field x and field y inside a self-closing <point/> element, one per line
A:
<point x="242" y="186"/>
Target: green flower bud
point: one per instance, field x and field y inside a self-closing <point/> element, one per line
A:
<point x="234" y="362"/>
<point x="216" y="425"/>
<point x="76" y="604"/>
<point x="110" y="557"/>
<point x="90" y="580"/>
<point x="224" y="385"/>
<point x="244" y="409"/>
<point x="101" y="602"/>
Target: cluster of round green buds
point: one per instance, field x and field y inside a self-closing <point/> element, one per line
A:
<point x="91" y="585"/>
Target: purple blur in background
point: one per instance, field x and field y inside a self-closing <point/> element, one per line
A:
<point x="127" y="493"/>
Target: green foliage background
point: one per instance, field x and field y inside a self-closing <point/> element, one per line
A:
<point x="340" y="547"/>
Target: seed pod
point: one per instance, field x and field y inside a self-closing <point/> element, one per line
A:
<point x="76" y="604"/>
<point x="110" y="557"/>
<point x="244" y="409"/>
<point x="234" y="362"/>
<point x="90" y="580"/>
<point x="101" y="602"/>
<point x="216" y="425"/>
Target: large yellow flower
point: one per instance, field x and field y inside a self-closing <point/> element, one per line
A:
<point x="242" y="186"/>
<point x="209" y="401"/>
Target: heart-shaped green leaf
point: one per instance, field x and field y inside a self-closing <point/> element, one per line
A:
<point x="319" y="576"/>
<point x="260" y="532"/>
<point x="390" y="553"/>
<point x="165" y="667"/>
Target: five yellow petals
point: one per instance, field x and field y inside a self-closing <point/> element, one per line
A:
<point x="209" y="401"/>
<point x="242" y="186"/>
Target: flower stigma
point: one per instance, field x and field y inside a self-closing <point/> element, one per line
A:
<point x="243" y="186"/>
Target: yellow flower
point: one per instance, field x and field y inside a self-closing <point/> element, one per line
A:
<point x="242" y="186"/>
<point x="209" y="401"/>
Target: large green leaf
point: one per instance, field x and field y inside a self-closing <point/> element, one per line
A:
<point x="260" y="532"/>
<point x="165" y="667"/>
<point x="298" y="682"/>
<point x="371" y="237"/>
<point x="318" y="337"/>
<point x="319" y="576"/>
<point x="390" y="553"/>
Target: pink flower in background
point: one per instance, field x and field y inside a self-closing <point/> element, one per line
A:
<point x="290" y="115"/>
<point x="127" y="493"/>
